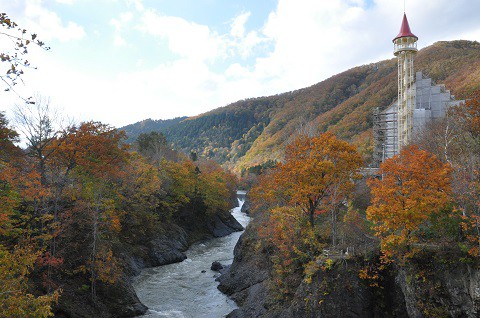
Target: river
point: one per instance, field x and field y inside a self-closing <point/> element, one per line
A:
<point x="181" y="290"/>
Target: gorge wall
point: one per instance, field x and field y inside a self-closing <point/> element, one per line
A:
<point x="168" y="246"/>
<point x="436" y="283"/>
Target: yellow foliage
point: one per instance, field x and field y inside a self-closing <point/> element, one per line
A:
<point x="15" y="299"/>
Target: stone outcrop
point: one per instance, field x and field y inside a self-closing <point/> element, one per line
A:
<point x="434" y="284"/>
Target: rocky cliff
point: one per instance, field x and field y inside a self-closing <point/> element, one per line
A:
<point x="168" y="246"/>
<point x="436" y="283"/>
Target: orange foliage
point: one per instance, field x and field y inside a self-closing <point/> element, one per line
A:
<point x="93" y="148"/>
<point x="107" y="266"/>
<point x="15" y="297"/>
<point x="414" y="186"/>
<point x="468" y="114"/>
<point x="316" y="178"/>
<point x="317" y="174"/>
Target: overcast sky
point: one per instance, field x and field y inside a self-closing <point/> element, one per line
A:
<point x="121" y="61"/>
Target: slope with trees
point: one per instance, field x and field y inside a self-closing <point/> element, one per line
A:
<point x="251" y="132"/>
<point x="148" y="125"/>
<point x="81" y="212"/>
<point x="408" y="239"/>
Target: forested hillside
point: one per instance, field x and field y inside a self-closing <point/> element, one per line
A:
<point x="253" y="131"/>
<point x="148" y="125"/>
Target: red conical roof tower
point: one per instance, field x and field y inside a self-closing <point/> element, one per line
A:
<point x="405" y="29"/>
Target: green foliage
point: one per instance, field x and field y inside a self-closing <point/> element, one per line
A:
<point x="150" y="141"/>
<point x="259" y="169"/>
<point x="154" y="147"/>
<point x="148" y="125"/>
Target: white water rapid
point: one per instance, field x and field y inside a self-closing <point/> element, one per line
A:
<point x="181" y="290"/>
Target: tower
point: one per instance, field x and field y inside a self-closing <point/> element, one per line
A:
<point x="405" y="48"/>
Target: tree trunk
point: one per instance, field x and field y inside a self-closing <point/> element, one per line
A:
<point x="93" y="257"/>
<point x="312" y="213"/>
<point x="334" y="227"/>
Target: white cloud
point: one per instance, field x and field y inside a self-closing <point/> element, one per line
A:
<point x="137" y="4"/>
<point x="49" y="24"/>
<point x="238" y="25"/>
<point x="317" y="39"/>
<point x="119" y="24"/>
<point x="65" y="1"/>
<point x="185" y="38"/>
<point x="312" y="39"/>
<point x="118" y="40"/>
<point x="301" y="43"/>
<point x="239" y="42"/>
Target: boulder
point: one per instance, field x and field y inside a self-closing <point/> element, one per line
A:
<point x="216" y="266"/>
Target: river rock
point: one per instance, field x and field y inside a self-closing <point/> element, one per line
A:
<point x="237" y="313"/>
<point x="224" y="225"/>
<point x="435" y="281"/>
<point x="246" y="207"/>
<point x="216" y="266"/>
<point x="121" y="299"/>
<point x="246" y="280"/>
<point x="169" y="247"/>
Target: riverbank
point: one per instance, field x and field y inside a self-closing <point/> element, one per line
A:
<point x="166" y="247"/>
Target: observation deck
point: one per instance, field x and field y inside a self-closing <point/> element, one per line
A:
<point x="405" y="44"/>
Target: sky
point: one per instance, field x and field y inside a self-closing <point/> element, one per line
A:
<point x="122" y="61"/>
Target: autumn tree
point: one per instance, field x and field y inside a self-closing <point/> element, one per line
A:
<point x="441" y="138"/>
<point x="296" y="247"/>
<point x="414" y="188"/>
<point x="141" y="192"/>
<point x="217" y="187"/>
<point x="19" y="249"/>
<point x="468" y="114"/>
<point x="39" y="123"/>
<point x="8" y="153"/>
<point x="466" y="164"/>
<point x="92" y="158"/>
<point x="8" y="137"/>
<point x="313" y="183"/>
<point x="15" y="298"/>
<point x="178" y="179"/>
<point x="154" y="146"/>
<point x="317" y="176"/>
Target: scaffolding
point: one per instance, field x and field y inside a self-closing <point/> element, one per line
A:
<point x="384" y="134"/>
<point x="431" y="102"/>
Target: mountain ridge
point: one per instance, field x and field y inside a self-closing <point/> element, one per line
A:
<point x="253" y="131"/>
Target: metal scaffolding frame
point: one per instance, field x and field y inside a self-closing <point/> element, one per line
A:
<point x="384" y="135"/>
